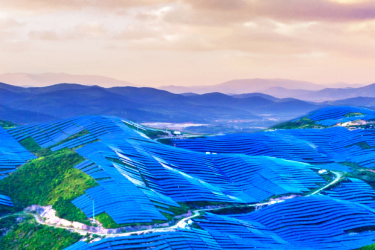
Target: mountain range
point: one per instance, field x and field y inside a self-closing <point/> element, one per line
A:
<point x="40" y="104"/>
<point x="238" y="86"/>
<point x="266" y="86"/>
<point x="141" y="104"/>
<point x="327" y="94"/>
<point x="46" y="79"/>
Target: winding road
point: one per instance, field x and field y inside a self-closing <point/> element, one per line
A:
<point x="179" y="224"/>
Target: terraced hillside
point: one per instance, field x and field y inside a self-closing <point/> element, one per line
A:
<point x="334" y="147"/>
<point x="110" y="169"/>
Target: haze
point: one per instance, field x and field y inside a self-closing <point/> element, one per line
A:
<point x="190" y="42"/>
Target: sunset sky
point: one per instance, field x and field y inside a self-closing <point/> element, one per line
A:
<point x="191" y="42"/>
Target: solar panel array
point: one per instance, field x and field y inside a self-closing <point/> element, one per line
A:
<point x="315" y="222"/>
<point x="6" y="201"/>
<point x="51" y="133"/>
<point x="354" y="190"/>
<point x="315" y="146"/>
<point x="332" y="115"/>
<point x="158" y="176"/>
<point x="318" y="221"/>
<point x="12" y="154"/>
<point x="140" y="179"/>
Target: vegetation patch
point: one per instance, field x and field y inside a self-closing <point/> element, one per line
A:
<point x="370" y="247"/>
<point x="304" y="122"/>
<point x="31" y="145"/>
<point x="352" y="114"/>
<point x="362" y="145"/>
<point x="49" y="180"/>
<point x="7" y="125"/>
<point x="153" y="134"/>
<point x="166" y="141"/>
<point x="350" y="164"/>
<point x="29" y="235"/>
<point x="79" y="134"/>
<point x="366" y="176"/>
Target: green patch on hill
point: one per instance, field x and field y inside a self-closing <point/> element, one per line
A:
<point x="363" y="174"/>
<point x="166" y="141"/>
<point x="353" y="114"/>
<point x="7" y="125"/>
<point x="30" y="144"/>
<point x="370" y="247"/>
<point x="48" y="180"/>
<point x="27" y="234"/>
<point x="303" y="122"/>
<point x="79" y="134"/>
<point x="153" y="134"/>
<point x="362" y="145"/>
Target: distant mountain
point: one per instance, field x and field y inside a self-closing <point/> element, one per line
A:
<point x="346" y="85"/>
<point x="327" y="94"/>
<point x="189" y="94"/>
<point x="280" y="92"/>
<point x="268" y="97"/>
<point x="356" y="101"/>
<point x="146" y="104"/>
<point x="23" y="116"/>
<point x="46" y="79"/>
<point x="245" y="86"/>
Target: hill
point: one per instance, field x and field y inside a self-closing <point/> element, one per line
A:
<point x="137" y="183"/>
<point x="333" y="116"/>
<point x="242" y="86"/>
<point x="23" y="116"/>
<point x="46" y="79"/>
<point x="327" y="94"/>
<point x="144" y="104"/>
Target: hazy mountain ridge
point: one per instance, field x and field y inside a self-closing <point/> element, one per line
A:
<point x="145" y="104"/>
<point x="46" y="79"/>
<point x="155" y="105"/>
<point x="264" y="86"/>
<point x="327" y="94"/>
<point x="242" y="86"/>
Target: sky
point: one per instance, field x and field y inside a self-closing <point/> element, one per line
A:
<point x="191" y="42"/>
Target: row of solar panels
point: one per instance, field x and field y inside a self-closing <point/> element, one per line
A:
<point x="12" y="154"/>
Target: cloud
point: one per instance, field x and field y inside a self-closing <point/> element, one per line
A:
<point x="219" y="12"/>
<point x="240" y="34"/>
<point x="63" y="5"/>
<point x="81" y="31"/>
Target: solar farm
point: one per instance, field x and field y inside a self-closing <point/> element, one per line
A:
<point x="142" y="181"/>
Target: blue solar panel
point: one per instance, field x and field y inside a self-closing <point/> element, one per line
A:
<point x="12" y="154"/>
<point x="6" y="201"/>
